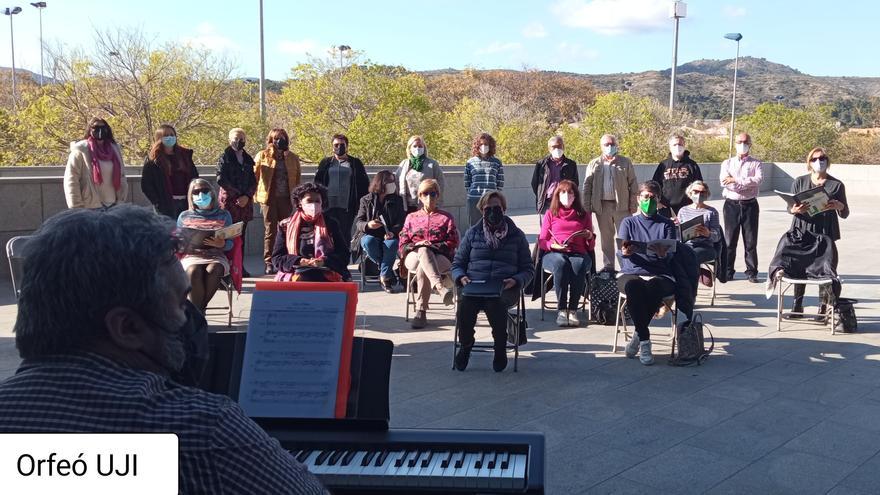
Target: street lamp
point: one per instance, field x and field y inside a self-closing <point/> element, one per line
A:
<point x="262" y="70"/>
<point x="678" y="10"/>
<point x="733" y="37"/>
<point x="342" y="48"/>
<point x="40" y="6"/>
<point x="11" y="11"/>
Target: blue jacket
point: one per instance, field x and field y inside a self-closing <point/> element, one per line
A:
<point x="512" y="259"/>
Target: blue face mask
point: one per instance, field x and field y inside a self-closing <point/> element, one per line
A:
<point x="169" y="141"/>
<point x="202" y="200"/>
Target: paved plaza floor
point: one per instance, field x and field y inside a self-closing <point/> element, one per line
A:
<point x="796" y="411"/>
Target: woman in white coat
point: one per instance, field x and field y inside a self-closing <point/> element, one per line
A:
<point x="95" y="173"/>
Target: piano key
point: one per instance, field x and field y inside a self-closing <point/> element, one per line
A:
<point x="302" y="455"/>
<point x="400" y="460"/>
<point x="505" y="462"/>
<point x="483" y="471"/>
<point x="432" y="474"/>
<point x="335" y="457"/>
<point x="472" y="469"/>
<point x="411" y="462"/>
<point x="444" y="462"/>
<point x="459" y="473"/>
<point x="322" y="457"/>
<point x="519" y="471"/>
<point x="490" y="459"/>
<point x="348" y="474"/>
<point x="507" y="472"/>
<point x="496" y="474"/>
<point x="380" y="459"/>
<point x="459" y="461"/>
<point x="346" y="459"/>
<point x="414" y="466"/>
<point x="369" y="457"/>
<point x="427" y="460"/>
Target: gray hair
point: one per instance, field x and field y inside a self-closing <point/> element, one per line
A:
<point x="692" y="185"/>
<point x="82" y="263"/>
<point x="612" y="136"/>
<point x="555" y="139"/>
<point x="675" y="138"/>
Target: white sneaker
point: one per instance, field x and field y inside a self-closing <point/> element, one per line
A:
<point x="562" y="319"/>
<point x="573" y="320"/>
<point x="632" y="348"/>
<point x="645" y="355"/>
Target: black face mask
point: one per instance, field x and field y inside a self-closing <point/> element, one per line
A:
<point x="238" y="145"/>
<point x="100" y="132"/>
<point x="340" y="149"/>
<point x="281" y="144"/>
<point x="194" y="333"/>
<point x="493" y="216"/>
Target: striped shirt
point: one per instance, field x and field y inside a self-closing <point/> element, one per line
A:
<point x="710" y="220"/>
<point x="221" y="450"/>
<point x="481" y="175"/>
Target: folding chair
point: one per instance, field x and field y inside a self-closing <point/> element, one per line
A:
<point x="514" y="321"/>
<point x="620" y="323"/>
<point x="783" y="283"/>
<point x="712" y="267"/>
<point x="227" y="285"/>
<point x="369" y="271"/>
<point x="411" y="292"/>
<point x="547" y="277"/>
<point x="14" y="248"/>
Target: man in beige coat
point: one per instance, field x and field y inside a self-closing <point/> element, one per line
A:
<point x="610" y="189"/>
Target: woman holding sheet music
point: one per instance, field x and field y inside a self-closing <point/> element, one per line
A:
<point x="826" y="221"/>
<point x="706" y="235"/>
<point x="205" y="266"/>
<point x="566" y="237"/>
<point x="377" y="226"/>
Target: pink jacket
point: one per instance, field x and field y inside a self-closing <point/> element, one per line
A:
<point x="563" y="225"/>
<point x="438" y="228"/>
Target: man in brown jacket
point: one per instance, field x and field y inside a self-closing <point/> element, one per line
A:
<point x="610" y="189"/>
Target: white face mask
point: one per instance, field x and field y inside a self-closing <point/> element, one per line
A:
<point x="695" y="197"/>
<point x="819" y="165"/>
<point x="484" y="149"/>
<point x="556" y="153"/>
<point x="742" y="148"/>
<point x="390" y="188"/>
<point x="418" y="151"/>
<point x="566" y="199"/>
<point x="676" y="150"/>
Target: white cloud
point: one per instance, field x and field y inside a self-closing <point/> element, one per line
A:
<point x="576" y="51"/>
<point x="499" y="47"/>
<point x="208" y="37"/>
<point x="301" y="47"/>
<point x="614" y="17"/>
<point x="731" y="11"/>
<point x="534" y="30"/>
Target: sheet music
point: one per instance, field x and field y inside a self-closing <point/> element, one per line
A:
<point x="292" y="354"/>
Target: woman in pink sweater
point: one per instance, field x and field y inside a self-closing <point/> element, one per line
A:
<point x="566" y="238"/>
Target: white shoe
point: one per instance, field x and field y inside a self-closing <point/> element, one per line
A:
<point x="573" y="320"/>
<point x="562" y="319"/>
<point x="632" y="348"/>
<point x="645" y="355"/>
<point x="447" y="295"/>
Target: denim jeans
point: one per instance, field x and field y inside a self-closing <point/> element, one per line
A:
<point x="569" y="277"/>
<point x="383" y="252"/>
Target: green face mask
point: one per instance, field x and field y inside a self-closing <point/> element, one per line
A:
<point x="648" y="206"/>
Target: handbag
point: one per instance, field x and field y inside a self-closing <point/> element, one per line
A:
<point x="603" y="298"/>
<point x="845" y="315"/>
<point x="517" y="334"/>
<point x="691" y="344"/>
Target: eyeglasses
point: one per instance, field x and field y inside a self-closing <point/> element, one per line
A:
<point x="201" y="191"/>
<point x="698" y="191"/>
<point x="823" y="157"/>
<point x="432" y="194"/>
<point x="646" y="196"/>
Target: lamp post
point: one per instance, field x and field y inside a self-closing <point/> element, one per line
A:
<point x="342" y="48"/>
<point x="11" y="11"/>
<point x="262" y="70"/>
<point x="40" y="6"/>
<point x="734" y="37"/>
<point x="678" y="10"/>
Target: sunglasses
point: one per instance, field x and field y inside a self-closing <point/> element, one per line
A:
<point x="823" y="157"/>
<point x="432" y="194"/>
<point x="200" y="191"/>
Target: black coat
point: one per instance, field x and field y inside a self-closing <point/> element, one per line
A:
<point x="154" y="182"/>
<point x="360" y="182"/>
<point x="674" y="176"/>
<point x="236" y="180"/>
<point x="825" y="222"/>
<point x="337" y="260"/>
<point x="392" y="211"/>
<point x="803" y="254"/>
<point x="569" y="171"/>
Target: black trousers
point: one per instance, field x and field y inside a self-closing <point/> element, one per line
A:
<point x="741" y="215"/>
<point x="345" y="219"/>
<point x="643" y="298"/>
<point x="496" y="312"/>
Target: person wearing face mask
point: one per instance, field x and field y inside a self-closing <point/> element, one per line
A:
<point x="645" y="278"/>
<point x="708" y="235"/>
<point x="494" y="249"/>
<point x="346" y="181"/>
<point x="378" y="223"/>
<point x="168" y="170"/>
<point x="549" y="171"/>
<point x="309" y="246"/>
<point x="277" y="172"/>
<point x="415" y="168"/>
<point x="207" y="264"/>
<point x="825" y="222"/>
<point x="675" y="174"/>
<point x="741" y="178"/>
<point x="610" y="189"/>
<point x="107" y="359"/>
<point x="95" y="174"/>
<point x="567" y="238"/>
<point x="483" y="172"/>
<point x="238" y="184"/>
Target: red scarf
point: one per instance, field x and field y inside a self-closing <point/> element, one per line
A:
<point x="323" y="239"/>
<point x="104" y="151"/>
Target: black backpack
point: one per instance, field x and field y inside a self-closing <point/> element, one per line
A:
<point x="603" y="298"/>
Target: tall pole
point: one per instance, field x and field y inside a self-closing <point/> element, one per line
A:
<point x="12" y="43"/>
<point x="262" y="70"/>
<point x="733" y="103"/>
<point x="41" y="47"/>
<point x="674" y="64"/>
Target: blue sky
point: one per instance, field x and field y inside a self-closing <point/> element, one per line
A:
<point x="585" y="36"/>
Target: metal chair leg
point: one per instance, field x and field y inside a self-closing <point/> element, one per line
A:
<point x="621" y="301"/>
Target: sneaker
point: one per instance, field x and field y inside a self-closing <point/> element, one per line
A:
<point x="499" y="362"/>
<point x="754" y="279"/>
<point x="573" y="319"/>
<point x="562" y="319"/>
<point x="632" y="348"/>
<point x="462" y="358"/>
<point x="447" y="295"/>
<point x="645" y="355"/>
<point x="420" y="320"/>
<point x="705" y="277"/>
<point x="388" y="285"/>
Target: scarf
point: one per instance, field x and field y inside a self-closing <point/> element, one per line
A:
<point x="416" y="162"/>
<point x="104" y="152"/>
<point x="323" y="240"/>
<point x="494" y="237"/>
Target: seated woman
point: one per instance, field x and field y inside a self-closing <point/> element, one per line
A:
<point x="566" y="237"/>
<point x="708" y="234"/>
<point x="379" y="220"/>
<point x="427" y="242"/>
<point x="310" y="246"/>
<point x="645" y="277"/>
<point x="207" y="264"/>
<point x="494" y="251"/>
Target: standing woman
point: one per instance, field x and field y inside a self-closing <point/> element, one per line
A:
<point x="483" y="172"/>
<point x="414" y="169"/>
<point x="205" y="265"/>
<point x="346" y="181"/>
<point x="235" y="176"/>
<point x="275" y="183"/>
<point x="95" y="175"/>
<point x="168" y="170"/>
<point x="379" y="220"/>
<point x="822" y="223"/>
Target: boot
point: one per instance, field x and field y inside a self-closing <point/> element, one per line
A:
<point x="420" y="320"/>
<point x="462" y="358"/>
<point x="499" y="362"/>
